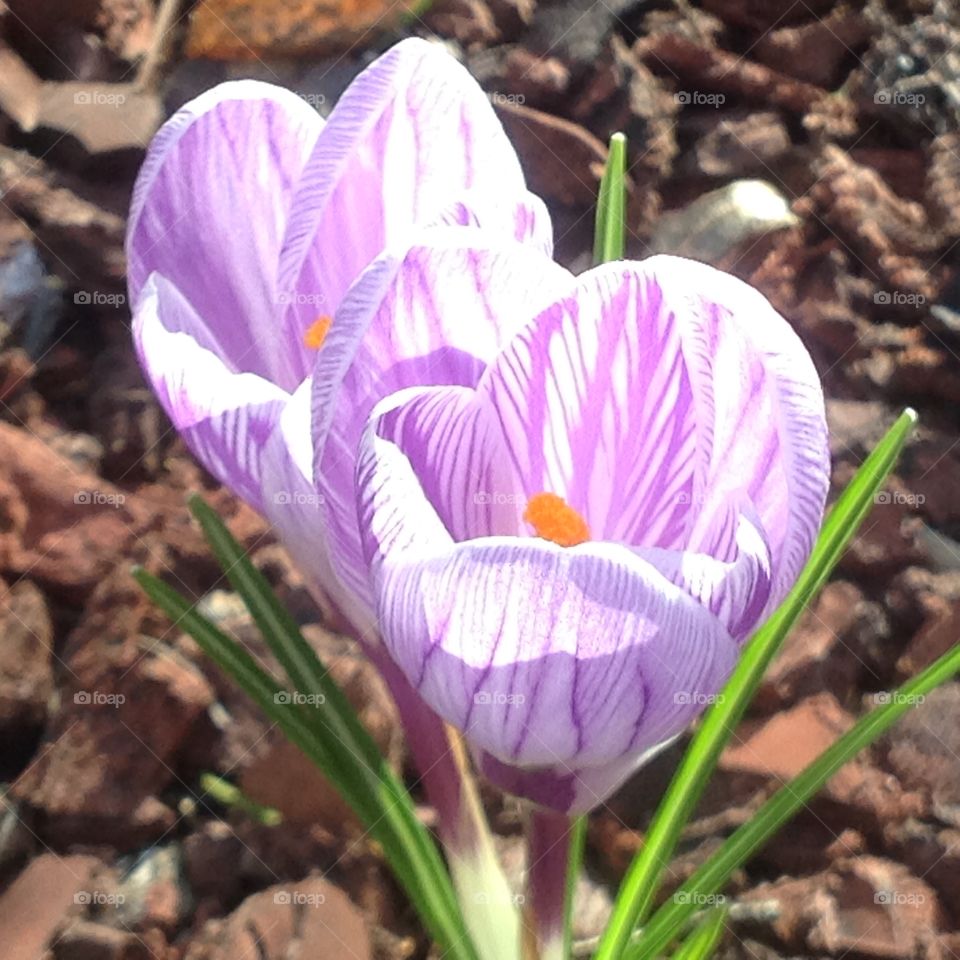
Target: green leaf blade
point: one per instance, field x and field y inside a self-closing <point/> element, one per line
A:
<point x="232" y="796"/>
<point x="640" y="885"/>
<point x="353" y="750"/>
<point x="578" y="844"/>
<point x="704" y="939"/>
<point x="282" y="634"/>
<point x="784" y="804"/>
<point x="374" y="793"/>
<point x="609" y="241"/>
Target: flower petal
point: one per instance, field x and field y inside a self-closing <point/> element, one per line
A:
<point x="543" y="655"/>
<point x="454" y="441"/>
<point x="655" y="394"/>
<point x="597" y="407"/>
<point x="735" y="588"/>
<point x="413" y="134"/>
<point x="769" y="424"/>
<point x="568" y="789"/>
<point x="292" y="504"/>
<point x="430" y="314"/>
<point x="210" y="209"/>
<point x="225" y="417"/>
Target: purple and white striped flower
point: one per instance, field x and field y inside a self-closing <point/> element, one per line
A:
<point x="250" y="220"/>
<point x="562" y="503"/>
<point x="567" y="553"/>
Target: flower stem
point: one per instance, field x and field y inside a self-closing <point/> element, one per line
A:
<point x="548" y="894"/>
<point x="578" y="844"/>
<point x="487" y="904"/>
<point x="441" y="759"/>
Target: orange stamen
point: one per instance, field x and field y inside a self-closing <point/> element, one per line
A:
<point x="554" y="519"/>
<point x="317" y="332"/>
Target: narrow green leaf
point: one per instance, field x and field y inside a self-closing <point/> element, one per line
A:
<point x="703" y="941"/>
<point x="669" y="920"/>
<point x="234" y="660"/>
<point x="640" y="885"/>
<point x="336" y="721"/>
<point x="375" y="794"/>
<point x="230" y="795"/>
<point x="578" y="842"/>
<point x="341" y="728"/>
<point x="308" y="676"/>
<point x="609" y="239"/>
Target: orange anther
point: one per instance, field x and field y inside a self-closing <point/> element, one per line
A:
<point x="554" y="519"/>
<point x="317" y="332"/>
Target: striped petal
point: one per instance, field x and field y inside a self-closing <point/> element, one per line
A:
<point x="566" y="787"/>
<point x="544" y="656"/>
<point x="209" y="212"/>
<point x="768" y="420"/>
<point x="454" y="440"/>
<point x="597" y="407"/>
<point x="225" y="417"/>
<point x="435" y="314"/>
<point x="411" y="136"/>
<point x="735" y="586"/>
<point x="293" y="506"/>
<point x="656" y="396"/>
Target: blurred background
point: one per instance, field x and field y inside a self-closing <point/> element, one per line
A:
<point x="811" y="147"/>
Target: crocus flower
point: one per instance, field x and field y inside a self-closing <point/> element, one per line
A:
<point x="567" y="553"/>
<point x="252" y="217"/>
<point x="250" y="221"/>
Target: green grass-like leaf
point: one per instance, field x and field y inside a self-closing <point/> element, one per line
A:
<point x="669" y="920"/>
<point x="371" y="788"/>
<point x="230" y="795"/>
<point x="642" y="881"/>
<point x="609" y="238"/>
<point x="345" y="735"/>
<point x="578" y="843"/>
<point x="704" y="939"/>
<point x="282" y="634"/>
